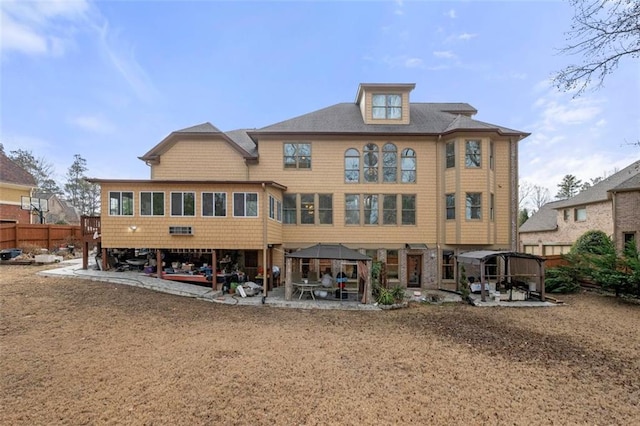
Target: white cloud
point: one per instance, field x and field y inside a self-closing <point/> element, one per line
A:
<point x="451" y="14"/>
<point x="466" y="36"/>
<point x="413" y="63"/>
<point x="39" y="27"/>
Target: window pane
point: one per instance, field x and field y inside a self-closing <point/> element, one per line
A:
<point x="371" y="209"/>
<point x="145" y="204"/>
<point x="238" y="204"/>
<point x="252" y="204"/>
<point x="352" y="209"/>
<point x="221" y="204"/>
<point x="451" y="206"/>
<point x="474" y="205"/>
<point x="451" y="155"/>
<point x="379" y="100"/>
<point x="307" y="208"/>
<point x="207" y="204"/>
<point x="176" y="203"/>
<point x="390" y="210"/>
<point x="158" y="203"/>
<point x="408" y="164"/>
<point x="289" y="206"/>
<point x="325" y="205"/>
<point x="473" y="154"/>
<point x="351" y="166"/>
<point x="408" y="209"/>
<point x="390" y="163"/>
<point x="189" y="204"/>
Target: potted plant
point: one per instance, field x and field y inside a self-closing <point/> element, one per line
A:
<point x="234" y="285"/>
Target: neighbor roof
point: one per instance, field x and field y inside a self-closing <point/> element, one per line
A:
<point x="426" y="118"/>
<point x="545" y="219"/>
<point x="11" y="172"/>
<point x="600" y="191"/>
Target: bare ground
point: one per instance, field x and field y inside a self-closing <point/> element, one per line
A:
<point x="81" y="352"/>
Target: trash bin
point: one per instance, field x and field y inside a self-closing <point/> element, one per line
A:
<point x="8" y="254"/>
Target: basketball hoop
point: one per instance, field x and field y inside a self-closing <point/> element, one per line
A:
<point x="38" y="206"/>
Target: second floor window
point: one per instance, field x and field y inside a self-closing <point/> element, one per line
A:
<point x="152" y="204"/>
<point x="386" y="107"/>
<point x="289" y="208"/>
<point x="474" y="205"/>
<point x="307" y="209"/>
<point x="580" y="214"/>
<point x="408" y="166"/>
<point x="183" y="204"/>
<point x="451" y="206"/>
<point x="473" y="154"/>
<point x="297" y="155"/>
<point x="370" y="160"/>
<point x="371" y="209"/>
<point x="390" y="209"/>
<point x="214" y="204"/>
<point x="325" y="209"/>
<point x="450" y="154"/>
<point x="389" y="163"/>
<point x="121" y="203"/>
<point x="352" y="209"/>
<point x="352" y="166"/>
<point x="408" y="209"/>
<point x="245" y="204"/>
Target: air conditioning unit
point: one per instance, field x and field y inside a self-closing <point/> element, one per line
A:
<point x="180" y="230"/>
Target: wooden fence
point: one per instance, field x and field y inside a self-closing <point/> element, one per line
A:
<point x="554" y="260"/>
<point x="16" y="235"/>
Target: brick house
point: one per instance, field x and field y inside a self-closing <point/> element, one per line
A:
<point x="611" y="206"/>
<point x="411" y="184"/>
<point x="15" y="183"/>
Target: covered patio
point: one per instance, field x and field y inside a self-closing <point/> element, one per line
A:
<point x="339" y="255"/>
<point x="506" y="270"/>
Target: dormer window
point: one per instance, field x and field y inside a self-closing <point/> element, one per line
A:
<point x="386" y="107"/>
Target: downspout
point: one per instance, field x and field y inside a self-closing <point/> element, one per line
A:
<point x="265" y="272"/>
<point x="439" y="216"/>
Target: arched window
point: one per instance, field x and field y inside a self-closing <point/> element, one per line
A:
<point x="408" y="166"/>
<point x="351" y="166"/>
<point x="389" y="163"/>
<point x="370" y="160"/>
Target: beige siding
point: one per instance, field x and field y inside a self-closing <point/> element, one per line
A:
<point x="201" y="159"/>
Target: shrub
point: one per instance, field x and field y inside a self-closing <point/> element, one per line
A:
<point x="563" y="279"/>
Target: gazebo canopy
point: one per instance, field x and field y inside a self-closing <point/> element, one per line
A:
<point x="477" y="257"/>
<point x="328" y="251"/>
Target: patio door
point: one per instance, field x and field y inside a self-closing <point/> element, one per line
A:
<point x="414" y="270"/>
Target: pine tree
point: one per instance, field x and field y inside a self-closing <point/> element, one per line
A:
<point x="569" y="187"/>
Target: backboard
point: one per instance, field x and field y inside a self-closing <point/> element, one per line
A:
<point x="35" y="204"/>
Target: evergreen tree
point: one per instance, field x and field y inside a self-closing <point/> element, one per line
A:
<point x="523" y="216"/>
<point x="82" y="194"/>
<point x="569" y="187"/>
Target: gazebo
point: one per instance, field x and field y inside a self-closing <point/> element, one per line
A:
<point x="515" y="266"/>
<point x="331" y="252"/>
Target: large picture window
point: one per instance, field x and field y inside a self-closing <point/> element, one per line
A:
<point x="183" y="204"/>
<point x="408" y="166"/>
<point x="297" y="155"/>
<point x="386" y="106"/>
<point x="473" y="154"/>
<point x="121" y="203"/>
<point x="474" y="205"/>
<point x="352" y="166"/>
<point x="245" y="204"/>
<point x="214" y="204"/>
<point x="152" y="203"/>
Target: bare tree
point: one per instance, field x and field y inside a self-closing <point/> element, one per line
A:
<point x="540" y="196"/>
<point x="602" y="32"/>
<point x="525" y="189"/>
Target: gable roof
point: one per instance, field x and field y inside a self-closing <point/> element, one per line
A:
<point x="631" y="184"/>
<point x="426" y="118"/>
<point x="545" y="219"/>
<point x="600" y="191"/>
<point x="11" y="172"/>
<point x="201" y="131"/>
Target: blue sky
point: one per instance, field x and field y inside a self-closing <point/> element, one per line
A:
<point x="109" y="80"/>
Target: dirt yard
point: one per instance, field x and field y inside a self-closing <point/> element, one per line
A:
<point x="80" y="352"/>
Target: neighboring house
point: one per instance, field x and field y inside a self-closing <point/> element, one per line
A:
<point x="411" y="184"/>
<point x="15" y="183"/>
<point x="611" y="206"/>
<point x="60" y="211"/>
